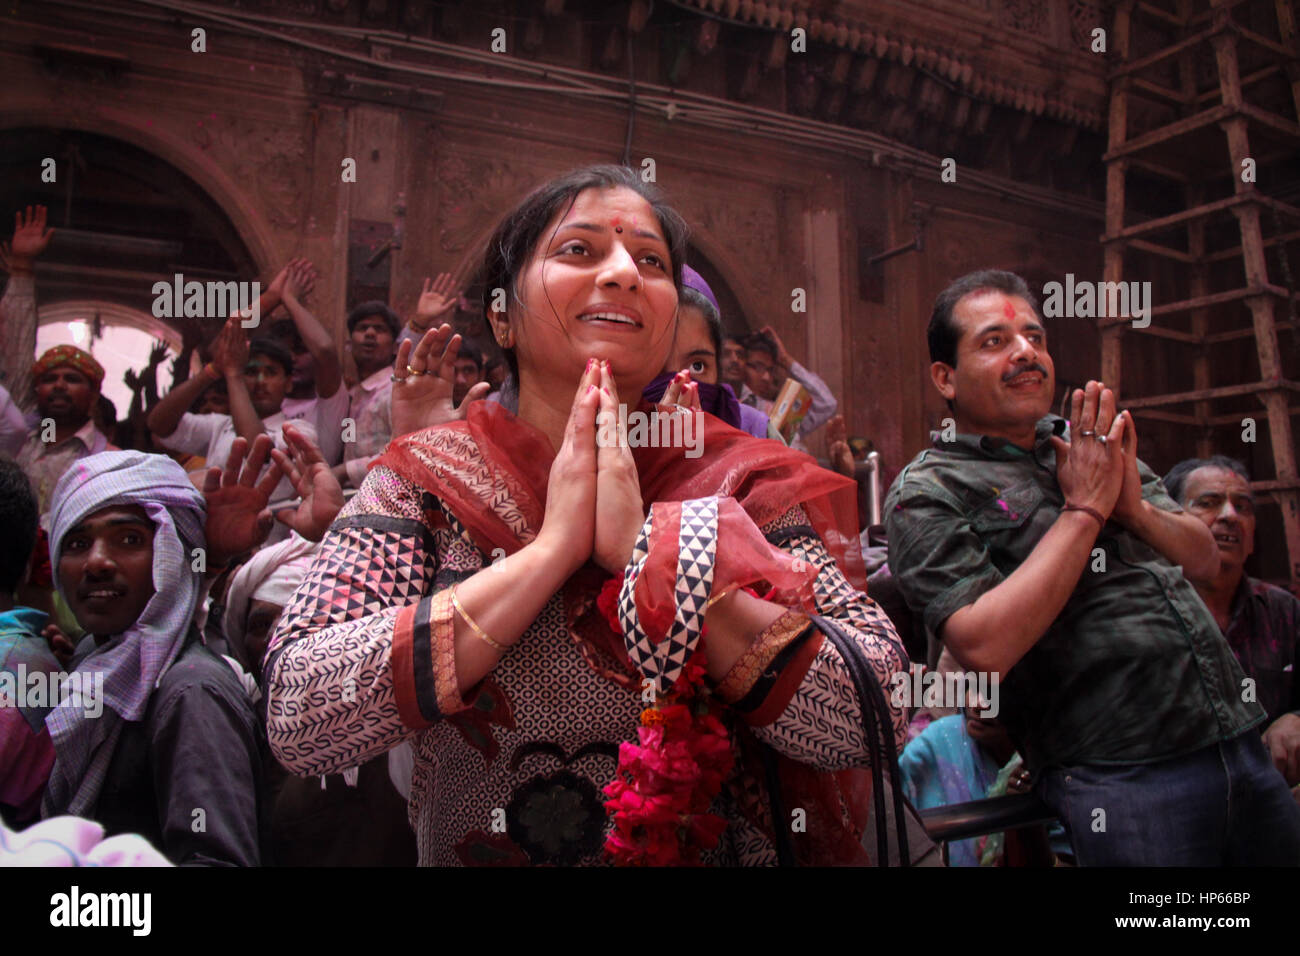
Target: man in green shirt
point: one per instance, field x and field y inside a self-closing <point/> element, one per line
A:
<point x="1053" y="558"/>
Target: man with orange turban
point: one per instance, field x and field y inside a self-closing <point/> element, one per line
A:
<point x="65" y="381"/>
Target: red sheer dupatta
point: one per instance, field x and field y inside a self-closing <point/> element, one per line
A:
<point x="491" y="472"/>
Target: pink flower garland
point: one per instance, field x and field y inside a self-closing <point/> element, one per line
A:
<point x="660" y="798"/>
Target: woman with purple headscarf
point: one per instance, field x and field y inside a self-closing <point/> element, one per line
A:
<point x="697" y="347"/>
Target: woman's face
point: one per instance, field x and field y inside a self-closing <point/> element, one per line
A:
<point x="694" y="349"/>
<point x="599" y="284"/>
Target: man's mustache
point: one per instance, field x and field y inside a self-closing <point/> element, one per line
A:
<point x="1023" y="369"/>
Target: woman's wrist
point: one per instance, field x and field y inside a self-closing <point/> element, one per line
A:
<point x="548" y="561"/>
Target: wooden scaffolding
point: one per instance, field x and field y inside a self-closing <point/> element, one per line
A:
<point x="1190" y="78"/>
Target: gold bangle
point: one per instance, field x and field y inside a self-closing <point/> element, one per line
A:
<point x="478" y="631"/>
<point x="718" y="597"/>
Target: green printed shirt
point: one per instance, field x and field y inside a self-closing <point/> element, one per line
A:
<point x="1133" y="670"/>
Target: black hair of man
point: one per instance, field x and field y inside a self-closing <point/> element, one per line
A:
<point x="107" y="410"/>
<point x="18" y="517"/>
<point x="760" y="342"/>
<point x="1176" y="480"/>
<point x="272" y="350"/>
<point x="286" y="333"/>
<point x="366" y="309"/>
<point x="472" y="350"/>
<point x="942" y="333"/>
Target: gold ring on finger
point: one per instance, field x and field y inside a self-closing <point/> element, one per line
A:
<point x="416" y="371"/>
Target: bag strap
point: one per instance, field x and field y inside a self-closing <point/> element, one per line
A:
<point x="877" y="725"/>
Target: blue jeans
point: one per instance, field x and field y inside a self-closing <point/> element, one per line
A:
<point x="1224" y="805"/>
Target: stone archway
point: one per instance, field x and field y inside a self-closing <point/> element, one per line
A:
<point x="110" y="313"/>
<point x="203" y="169"/>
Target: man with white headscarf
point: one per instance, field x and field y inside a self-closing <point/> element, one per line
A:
<point x="162" y="740"/>
<point x="257" y="594"/>
<point x="357" y="818"/>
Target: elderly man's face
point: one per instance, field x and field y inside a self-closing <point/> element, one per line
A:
<point x="63" y="393"/>
<point x="106" y="568"/>
<point x="1223" y="500"/>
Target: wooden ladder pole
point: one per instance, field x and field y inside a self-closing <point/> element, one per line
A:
<point x="1116" y="170"/>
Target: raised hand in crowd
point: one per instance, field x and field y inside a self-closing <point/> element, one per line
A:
<point x="30" y="239"/>
<point x="135" y="418"/>
<point x="423" y="400"/>
<point x="783" y="357"/>
<point x="312" y="478"/>
<point x="837" y="448"/>
<point x="295" y="282"/>
<point x="238" y="517"/>
<point x="61" y="646"/>
<point x="230" y="357"/>
<point x="841" y="458"/>
<point x="230" y="349"/>
<point x="297" y="279"/>
<point x="180" y="367"/>
<point x="836" y="430"/>
<point x="438" y="298"/>
<point x="149" y="375"/>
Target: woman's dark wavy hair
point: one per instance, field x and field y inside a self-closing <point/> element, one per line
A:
<point x="517" y="235"/>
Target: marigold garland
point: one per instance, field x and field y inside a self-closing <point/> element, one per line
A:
<point x="660" y="798"/>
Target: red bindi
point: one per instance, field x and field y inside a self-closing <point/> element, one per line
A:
<point x="617" y="224"/>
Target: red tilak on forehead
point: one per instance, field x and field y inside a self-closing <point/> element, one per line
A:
<point x="1008" y="309"/>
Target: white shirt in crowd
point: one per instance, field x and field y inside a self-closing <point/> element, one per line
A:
<point x="326" y="415"/>
<point x="212" y="435"/>
<point x="371" y="411"/>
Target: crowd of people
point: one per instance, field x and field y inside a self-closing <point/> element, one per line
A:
<point x="404" y="604"/>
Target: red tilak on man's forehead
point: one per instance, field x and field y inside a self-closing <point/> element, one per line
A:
<point x="1008" y="309"/>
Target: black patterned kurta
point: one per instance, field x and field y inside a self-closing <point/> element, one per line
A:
<point x="363" y="658"/>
